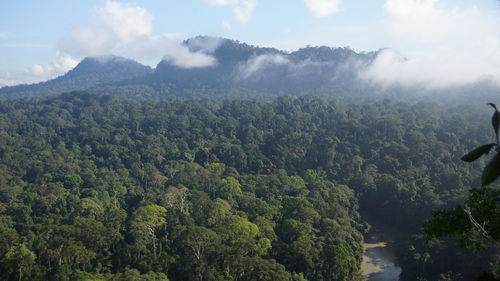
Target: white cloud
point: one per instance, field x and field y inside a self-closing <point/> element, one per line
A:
<point x="431" y="71"/>
<point x="242" y="9"/>
<point x="429" y="21"/>
<point x="227" y="25"/>
<point x="127" y="30"/>
<point x="443" y="46"/>
<point x="222" y="2"/>
<point x="262" y="65"/>
<point x="205" y="44"/>
<point x="322" y="8"/>
<point x="62" y="64"/>
<point x="3" y="35"/>
<point x="128" y="22"/>
<point x="169" y="48"/>
<point x="37" y="70"/>
<point x="257" y="63"/>
<point x="182" y="57"/>
<point x="118" y="25"/>
<point x="88" y="41"/>
<point x="7" y="82"/>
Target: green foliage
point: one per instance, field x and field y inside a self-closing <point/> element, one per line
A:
<point x="483" y="203"/>
<point x="18" y="262"/>
<point x="101" y="187"/>
<point x="128" y="275"/>
<point x="478" y="152"/>
<point x="492" y="170"/>
<point x="475" y="224"/>
<point x="149" y="217"/>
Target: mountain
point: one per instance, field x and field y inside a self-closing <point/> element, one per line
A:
<point x="91" y="72"/>
<point x="242" y="65"/>
<point x="239" y="70"/>
<point x="242" y="68"/>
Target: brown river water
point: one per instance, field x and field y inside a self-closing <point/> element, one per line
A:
<point x="379" y="260"/>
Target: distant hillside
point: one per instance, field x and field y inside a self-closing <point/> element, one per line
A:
<point x="90" y="72"/>
<point x="245" y="71"/>
<point x="242" y="66"/>
<point x="241" y="70"/>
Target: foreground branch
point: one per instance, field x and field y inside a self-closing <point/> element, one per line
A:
<point x="480" y="228"/>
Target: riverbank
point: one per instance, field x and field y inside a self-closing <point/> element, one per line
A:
<point x="380" y="260"/>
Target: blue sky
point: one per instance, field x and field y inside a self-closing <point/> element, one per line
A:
<point x="43" y="39"/>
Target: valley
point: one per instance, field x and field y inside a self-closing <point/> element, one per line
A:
<point x="249" y="140"/>
<point x="274" y="185"/>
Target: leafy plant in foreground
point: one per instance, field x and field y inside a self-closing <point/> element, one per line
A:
<point x="492" y="170"/>
<point x="475" y="224"/>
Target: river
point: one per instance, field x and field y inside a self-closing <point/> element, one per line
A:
<point x="379" y="260"/>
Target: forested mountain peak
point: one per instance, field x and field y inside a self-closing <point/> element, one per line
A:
<point x="219" y="65"/>
<point x="322" y="53"/>
<point x="91" y="72"/>
<point x="227" y="51"/>
<point x="220" y="46"/>
<point x="106" y="64"/>
<point x="237" y="65"/>
<point x="214" y="67"/>
<point x="243" y="51"/>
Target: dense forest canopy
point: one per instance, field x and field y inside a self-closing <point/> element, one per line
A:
<point x="95" y="187"/>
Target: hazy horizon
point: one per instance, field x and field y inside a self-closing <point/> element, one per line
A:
<point x="218" y="140"/>
<point x="431" y="43"/>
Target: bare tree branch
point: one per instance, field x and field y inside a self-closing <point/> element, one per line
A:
<point x="480" y="227"/>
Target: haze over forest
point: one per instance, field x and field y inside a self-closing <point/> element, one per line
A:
<point x="244" y="140"/>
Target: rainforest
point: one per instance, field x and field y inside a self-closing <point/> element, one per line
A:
<point x="250" y="140"/>
<point x="97" y="187"/>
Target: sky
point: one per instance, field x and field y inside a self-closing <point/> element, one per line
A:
<point x="436" y="43"/>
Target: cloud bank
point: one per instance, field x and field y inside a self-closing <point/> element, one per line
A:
<point x="62" y="64"/>
<point x="323" y="8"/>
<point x="444" y="46"/>
<point x="127" y="30"/>
<point x="119" y="29"/>
<point x="311" y="69"/>
<point x="7" y="82"/>
<point x="257" y="63"/>
<point x="204" y="44"/>
<point x="242" y="9"/>
<point x="182" y="57"/>
<point x="118" y="25"/>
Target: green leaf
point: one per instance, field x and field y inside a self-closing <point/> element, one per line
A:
<point x="495" y="122"/>
<point x="491" y="171"/>
<point x="478" y="152"/>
